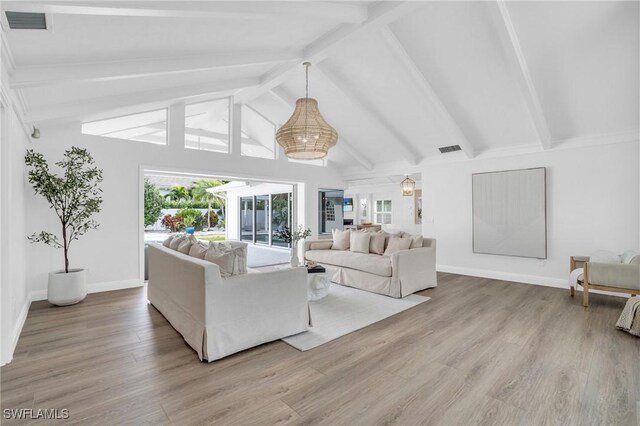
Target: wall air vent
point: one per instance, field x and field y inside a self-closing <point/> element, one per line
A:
<point x="452" y="148"/>
<point x="26" y="21"/>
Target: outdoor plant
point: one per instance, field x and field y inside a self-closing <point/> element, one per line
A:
<point x="212" y="220"/>
<point x="74" y="195"/>
<point x="200" y="193"/>
<point x="192" y="217"/>
<point x="152" y="203"/>
<point x="292" y="236"/>
<point x="172" y="223"/>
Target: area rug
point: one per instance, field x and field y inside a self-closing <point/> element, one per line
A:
<point x="346" y="310"/>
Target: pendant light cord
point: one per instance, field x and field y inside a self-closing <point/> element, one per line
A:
<point x="306" y="104"/>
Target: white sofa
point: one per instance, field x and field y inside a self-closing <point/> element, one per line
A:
<point x="399" y="275"/>
<point x="220" y="316"/>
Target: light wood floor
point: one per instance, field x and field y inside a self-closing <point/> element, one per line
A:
<point x="480" y="352"/>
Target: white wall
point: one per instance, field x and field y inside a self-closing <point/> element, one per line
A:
<point x="111" y="253"/>
<point x="592" y="203"/>
<point x="14" y="288"/>
<point x="403" y="208"/>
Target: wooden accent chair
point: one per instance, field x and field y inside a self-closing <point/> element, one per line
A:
<point x="614" y="277"/>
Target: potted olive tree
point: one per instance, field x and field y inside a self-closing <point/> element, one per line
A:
<point x="75" y="197"/>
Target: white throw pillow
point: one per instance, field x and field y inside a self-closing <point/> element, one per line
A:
<point x="224" y="261"/>
<point x="627" y="256"/>
<point x="341" y="239"/>
<point x="167" y="241"/>
<point x="397" y="244"/>
<point x="359" y="242"/>
<point x="604" y="256"/>
<point x="376" y="243"/>
<point x="240" y="259"/>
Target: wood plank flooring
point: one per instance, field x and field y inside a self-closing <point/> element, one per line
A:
<point x="481" y="352"/>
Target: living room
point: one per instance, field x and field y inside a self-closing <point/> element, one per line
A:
<point x="468" y="211"/>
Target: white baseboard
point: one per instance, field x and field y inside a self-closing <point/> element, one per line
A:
<point x="17" y="330"/>
<point x="95" y="288"/>
<point x="518" y="278"/>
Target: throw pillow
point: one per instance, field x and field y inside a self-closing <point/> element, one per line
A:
<point x="197" y="250"/>
<point x="175" y="242"/>
<point x="416" y="240"/>
<point x="341" y="239"/>
<point x="185" y="246"/>
<point x="167" y="241"/>
<point x="240" y="259"/>
<point x="627" y="256"/>
<point x="376" y="243"/>
<point x="604" y="256"/>
<point x="387" y="237"/>
<point x="635" y="260"/>
<point x="320" y="245"/>
<point x="397" y="244"/>
<point x="224" y="261"/>
<point x="359" y="242"/>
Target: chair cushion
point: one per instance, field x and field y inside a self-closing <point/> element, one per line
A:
<point x="372" y="263"/>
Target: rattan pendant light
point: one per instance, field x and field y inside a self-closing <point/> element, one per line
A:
<point x="306" y="136"/>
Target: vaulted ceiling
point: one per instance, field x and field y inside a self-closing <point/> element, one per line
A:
<point x="396" y="79"/>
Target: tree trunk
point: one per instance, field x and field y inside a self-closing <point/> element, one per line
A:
<point x="65" y="247"/>
<point x="209" y="216"/>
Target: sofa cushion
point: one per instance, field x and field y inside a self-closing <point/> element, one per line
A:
<point x="359" y="242"/>
<point x="376" y="243"/>
<point x="397" y="244"/>
<point x="341" y="239"/>
<point x="635" y="260"/>
<point x="239" y="251"/>
<point x="167" y="241"/>
<point x="372" y="263"/>
<point x="387" y="237"/>
<point x="225" y="261"/>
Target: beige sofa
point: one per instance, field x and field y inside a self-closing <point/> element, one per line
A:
<point x="220" y="316"/>
<point x="399" y="275"/>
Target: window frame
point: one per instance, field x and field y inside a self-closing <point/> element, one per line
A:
<point x="382" y="212"/>
<point x="229" y="100"/>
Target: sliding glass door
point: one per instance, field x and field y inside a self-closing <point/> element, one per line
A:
<point x="262" y="216"/>
<point x="246" y="218"/>
<point x="280" y="217"/>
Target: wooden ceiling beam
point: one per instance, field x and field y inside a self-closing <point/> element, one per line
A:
<point x="420" y="81"/>
<point x="379" y="14"/>
<point x="54" y="74"/>
<point x="332" y="12"/>
<point x="514" y="51"/>
<point x="134" y="100"/>
<point x="406" y="149"/>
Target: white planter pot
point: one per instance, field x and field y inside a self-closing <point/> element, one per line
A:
<point x="67" y="289"/>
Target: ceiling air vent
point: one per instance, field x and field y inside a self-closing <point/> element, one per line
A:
<point x="26" y="21"/>
<point x="452" y="148"/>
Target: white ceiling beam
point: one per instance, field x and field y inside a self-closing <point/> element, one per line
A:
<point x="406" y="149"/>
<point x="425" y="87"/>
<point x="342" y="144"/>
<point x="46" y="75"/>
<point x="333" y="12"/>
<point x="135" y="100"/>
<point x="379" y="14"/>
<point x="510" y="39"/>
